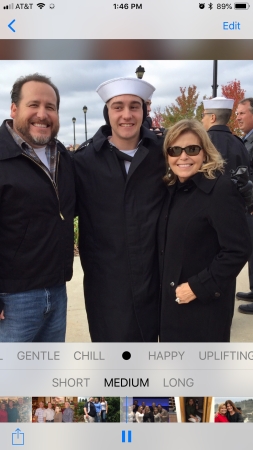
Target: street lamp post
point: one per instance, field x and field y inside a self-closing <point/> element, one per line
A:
<point x="74" y="128"/>
<point x="85" y="109"/>
<point x="140" y="72"/>
<point x="215" y="78"/>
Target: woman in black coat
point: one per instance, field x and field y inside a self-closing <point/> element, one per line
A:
<point x="203" y="239"/>
<point x="191" y="411"/>
<point x="233" y="413"/>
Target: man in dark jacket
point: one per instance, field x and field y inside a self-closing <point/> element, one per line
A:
<point x="90" y="413"/>
<point x="37" y="208"/>
<point x="215" y="117"/>
<point x="120" y="192"/>
<point x="245" y="122"/>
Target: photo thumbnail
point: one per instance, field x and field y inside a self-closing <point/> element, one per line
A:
<point x="233" y="410"/>
<point x="195" y="409"/>
<point x="148" y="409"/>
<point x="16" y="409"/>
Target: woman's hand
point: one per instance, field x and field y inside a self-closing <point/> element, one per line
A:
<point x="2" y="315"/>
<point x="184" y="293"/>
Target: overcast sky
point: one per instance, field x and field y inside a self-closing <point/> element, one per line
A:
<point x="233" y="399"/>
<point x="78" y="80"/>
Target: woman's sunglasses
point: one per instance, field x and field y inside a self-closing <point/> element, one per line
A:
<point x="190" y="150"/>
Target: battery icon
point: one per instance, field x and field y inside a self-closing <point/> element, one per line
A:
<point x="241" y="5"/>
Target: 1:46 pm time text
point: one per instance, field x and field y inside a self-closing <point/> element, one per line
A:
<point x="127" y="6"/>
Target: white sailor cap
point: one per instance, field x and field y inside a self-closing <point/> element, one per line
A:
<point x="150" y="98"/>
<point x="125" y="85"/>
<point x="218" y="103"/>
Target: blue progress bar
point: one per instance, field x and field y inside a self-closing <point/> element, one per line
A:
<point x="123" y="436"/>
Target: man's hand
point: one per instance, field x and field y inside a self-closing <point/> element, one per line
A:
<point x="184" y="293"/>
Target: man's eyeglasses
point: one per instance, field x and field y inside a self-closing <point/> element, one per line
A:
<point x="190" y="150"/>
<point x="203" y="114"/>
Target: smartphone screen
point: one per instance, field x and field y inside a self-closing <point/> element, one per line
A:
<point x="187" y="53"/>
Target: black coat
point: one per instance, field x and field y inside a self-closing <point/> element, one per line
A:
<point x="203" y="240"/>
<point x="148" y="417"/>
<point x="231" y="147"/>
<point x="249" y="147"/>
<point x="147" y="123"/>
<point x="118" y="223"/>
<point x="36" y="244"/>
<point x="236" y="417"/>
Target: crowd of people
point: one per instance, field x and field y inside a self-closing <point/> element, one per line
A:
<point x="228" y="412"/>
<point x="144" y="413"/>
<point x="16" y="411"/>
<point x="130" y="184"/>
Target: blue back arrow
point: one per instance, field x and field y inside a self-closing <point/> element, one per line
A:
<point x="10" y="26"/>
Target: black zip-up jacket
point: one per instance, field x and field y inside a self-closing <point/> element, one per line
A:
<point x="36" y="219"/>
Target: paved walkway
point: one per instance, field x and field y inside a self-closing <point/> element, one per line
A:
<point x="242" y="326"/>
<point x="77" y="326"/>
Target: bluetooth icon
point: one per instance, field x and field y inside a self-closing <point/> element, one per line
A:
<point x="210" y="5"/>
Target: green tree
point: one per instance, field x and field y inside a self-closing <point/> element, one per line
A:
<point x="184" y="107"/>
<point x="113" y="409"/>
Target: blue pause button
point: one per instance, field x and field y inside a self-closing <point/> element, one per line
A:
<point x="129" y="436"/>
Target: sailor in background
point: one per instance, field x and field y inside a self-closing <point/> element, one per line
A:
<point x="215" y="117"/>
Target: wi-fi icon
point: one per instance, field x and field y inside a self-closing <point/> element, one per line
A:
<point x="40" y="5"/>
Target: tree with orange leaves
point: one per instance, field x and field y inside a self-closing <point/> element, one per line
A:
<point x="233" y="90"/>
<point x="157" y="120"/>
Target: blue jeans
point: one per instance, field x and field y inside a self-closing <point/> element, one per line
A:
<point x="35" y="316"/>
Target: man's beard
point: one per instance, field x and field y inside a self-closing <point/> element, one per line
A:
<point x="37" y="140"/>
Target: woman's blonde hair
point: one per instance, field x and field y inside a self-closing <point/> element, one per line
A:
<point x="220" y="406"/>
<point x="213" y="159"/>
